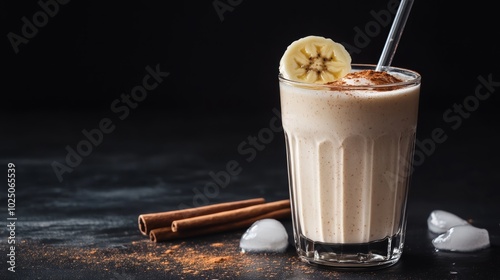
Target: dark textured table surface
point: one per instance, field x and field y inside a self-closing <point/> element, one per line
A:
<point x="85" y="227"/>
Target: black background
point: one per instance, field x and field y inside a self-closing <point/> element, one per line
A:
<point x="91" y="52"/>
<point x="223" y="77"/>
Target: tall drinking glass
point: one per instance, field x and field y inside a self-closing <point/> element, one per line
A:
<point x="349" y="154"/>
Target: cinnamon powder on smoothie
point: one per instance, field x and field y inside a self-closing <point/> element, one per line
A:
<point x="364" y="76"/>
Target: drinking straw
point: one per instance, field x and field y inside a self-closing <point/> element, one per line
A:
<point x="394" y="34"/>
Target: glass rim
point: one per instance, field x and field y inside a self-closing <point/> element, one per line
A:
<point x="415" y="79"/>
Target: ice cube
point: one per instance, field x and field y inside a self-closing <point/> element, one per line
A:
<point x="440" y="221"/>
<point x="464" y="238"/>
<point x="266" y="235"/>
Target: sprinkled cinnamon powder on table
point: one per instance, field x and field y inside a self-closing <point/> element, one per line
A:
<point x="180" y="259"/>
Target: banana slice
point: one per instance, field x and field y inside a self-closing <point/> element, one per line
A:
<point x="315" y="59"/>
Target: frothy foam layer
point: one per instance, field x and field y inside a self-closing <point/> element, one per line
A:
<point x="366" y="78"/>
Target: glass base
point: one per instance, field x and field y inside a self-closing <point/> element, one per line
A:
<point x="372" y="255"/>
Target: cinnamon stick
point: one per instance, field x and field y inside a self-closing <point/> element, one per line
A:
<point x="228" y="216"/>
<point x="148" y="222"/>
<point x="166" y="233"/>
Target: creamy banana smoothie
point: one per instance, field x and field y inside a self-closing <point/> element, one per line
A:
<point x="350" y="135"/>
